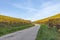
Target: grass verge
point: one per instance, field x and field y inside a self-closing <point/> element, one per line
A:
<point x="45" y="33"/>
<point x="4" y="31"/>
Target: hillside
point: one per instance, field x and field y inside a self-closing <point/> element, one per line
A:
<point x="11" y="24"/>
<point x="47" y="19"/>
<point x="6" y="21"/>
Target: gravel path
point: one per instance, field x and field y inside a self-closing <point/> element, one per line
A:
<point x="26" y="34"/>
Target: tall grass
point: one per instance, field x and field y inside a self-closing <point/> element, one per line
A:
<point x="45" y="33"/>
<point x="4" y="31"/>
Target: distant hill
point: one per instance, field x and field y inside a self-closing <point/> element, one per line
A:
<point x="6" y="21"/>
<point x="47" y="19"/>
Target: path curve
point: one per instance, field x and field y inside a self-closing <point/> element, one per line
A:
<point x="26" y="34"/>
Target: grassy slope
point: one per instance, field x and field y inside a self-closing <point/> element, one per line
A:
<point x="11" y="24"/>
<point x="47" y="34"/>
<point x="46" y="19"/>
<point x="4" y="31"/>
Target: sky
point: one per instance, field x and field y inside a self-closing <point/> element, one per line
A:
<point x="29" y="9"/>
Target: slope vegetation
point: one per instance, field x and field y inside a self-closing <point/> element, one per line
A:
<point x="10" y="24"/>
<point x="6" y="21"/>
<point x="57" y="16"/>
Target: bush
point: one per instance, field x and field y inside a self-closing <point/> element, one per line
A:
<point x="54" y="22"/>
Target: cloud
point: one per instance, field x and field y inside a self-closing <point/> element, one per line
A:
<point x="23" y="7"/>
<point x="45" y="10"/>
<point x="26" y="6"/>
